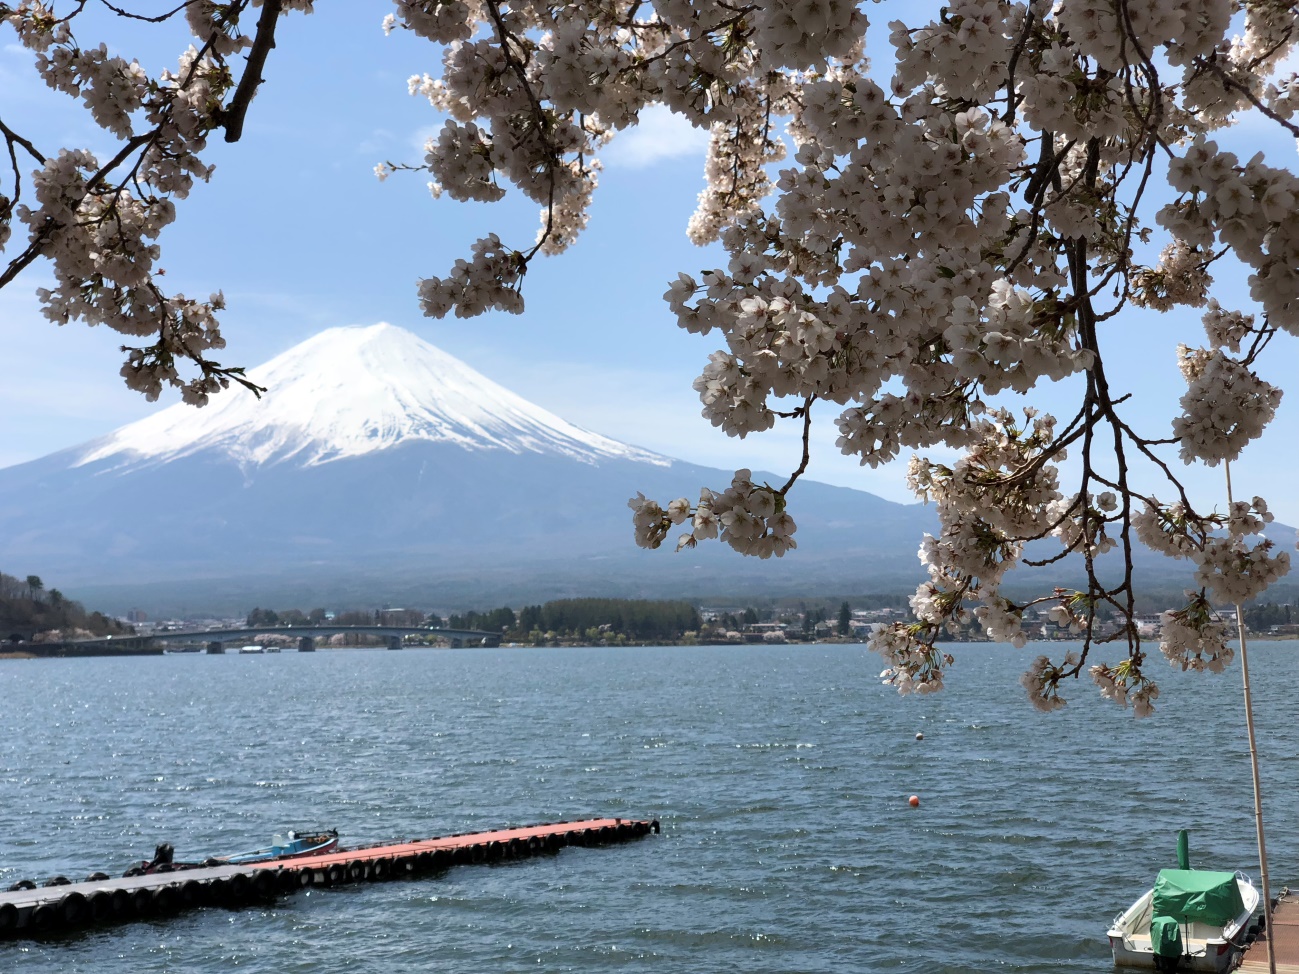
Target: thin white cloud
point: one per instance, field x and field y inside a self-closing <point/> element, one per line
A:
<point x="16" y="74"/>
<point x="376" y="142"/>
<point x="659" y="135"/>
<point x="62" y="387"/>
<point x="419" y="139"/>
<point x="656" y="410"/>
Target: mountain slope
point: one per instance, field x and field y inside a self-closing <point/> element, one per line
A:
<point x="376" y="459"/>
<point x="349" y="392"/>
<point x="378" y="468"/>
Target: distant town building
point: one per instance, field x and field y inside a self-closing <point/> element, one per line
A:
<point x="1148" y="624"/>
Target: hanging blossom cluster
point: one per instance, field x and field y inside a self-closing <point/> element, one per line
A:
<point x="96" y="221"/>
<point x="958" y="225"/>
<point x="750" y="518"/>
<point x="1227" y="565"/>
<point x="1194" y="638"/>
<point x="1005" y="489"/>
<point x="1225" y="406"/>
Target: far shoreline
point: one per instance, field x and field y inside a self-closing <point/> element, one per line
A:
<point x="29" y="654"/>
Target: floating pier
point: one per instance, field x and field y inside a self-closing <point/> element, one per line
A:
<point x="54" y="909"/>
<point x="1283" y="938"/>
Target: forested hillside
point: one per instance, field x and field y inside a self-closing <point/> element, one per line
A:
<point x="28" y="609"/>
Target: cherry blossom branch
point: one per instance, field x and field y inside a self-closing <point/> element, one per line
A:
<point x="1232" y="84"/>
<point x="13" y="138"/>
<point x="232" y="116"/>
<point x="806" y="410"/>
<point x="1029" y="14"/>
<point x="541" y="119"/>
<point x="146" y="18"/>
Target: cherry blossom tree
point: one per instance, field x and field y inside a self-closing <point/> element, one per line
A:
<point x="968" y="220"/>
<point x="97" y="221"/>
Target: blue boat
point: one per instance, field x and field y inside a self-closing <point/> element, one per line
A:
<point x="294" y="845"/>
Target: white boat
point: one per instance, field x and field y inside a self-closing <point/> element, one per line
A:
<point x="256" y="648"/>
<point x="1199" y="920"/>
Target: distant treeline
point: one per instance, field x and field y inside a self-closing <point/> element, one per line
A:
<point x="588" y="620"/>
<point x="1260" y="618"/>
<point x="28" y="608"/>
<point x="593" y="619"/>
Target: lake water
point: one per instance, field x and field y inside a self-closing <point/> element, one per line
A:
<point x="780" y="775"/>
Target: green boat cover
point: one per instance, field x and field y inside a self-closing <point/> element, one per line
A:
<point x="1188" y="895"/>
<point x="1166" y="937"/>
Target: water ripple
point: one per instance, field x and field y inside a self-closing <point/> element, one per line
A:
<point x="780" y="775"/>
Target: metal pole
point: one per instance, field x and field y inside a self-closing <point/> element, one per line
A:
<point x="1253" y="763"/>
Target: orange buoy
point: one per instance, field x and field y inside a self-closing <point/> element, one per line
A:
<point x="914" y="801"/>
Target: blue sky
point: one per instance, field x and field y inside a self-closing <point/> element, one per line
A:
<point x="300" y="235"/>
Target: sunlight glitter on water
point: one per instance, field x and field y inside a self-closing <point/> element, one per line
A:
<point x="781" y="776"/>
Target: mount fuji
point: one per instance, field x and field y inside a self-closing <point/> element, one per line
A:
<point x="349" y="392"/>
<point x="379" y="468"/>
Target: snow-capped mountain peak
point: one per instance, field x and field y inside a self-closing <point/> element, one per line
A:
<point x="347" y="392"/>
